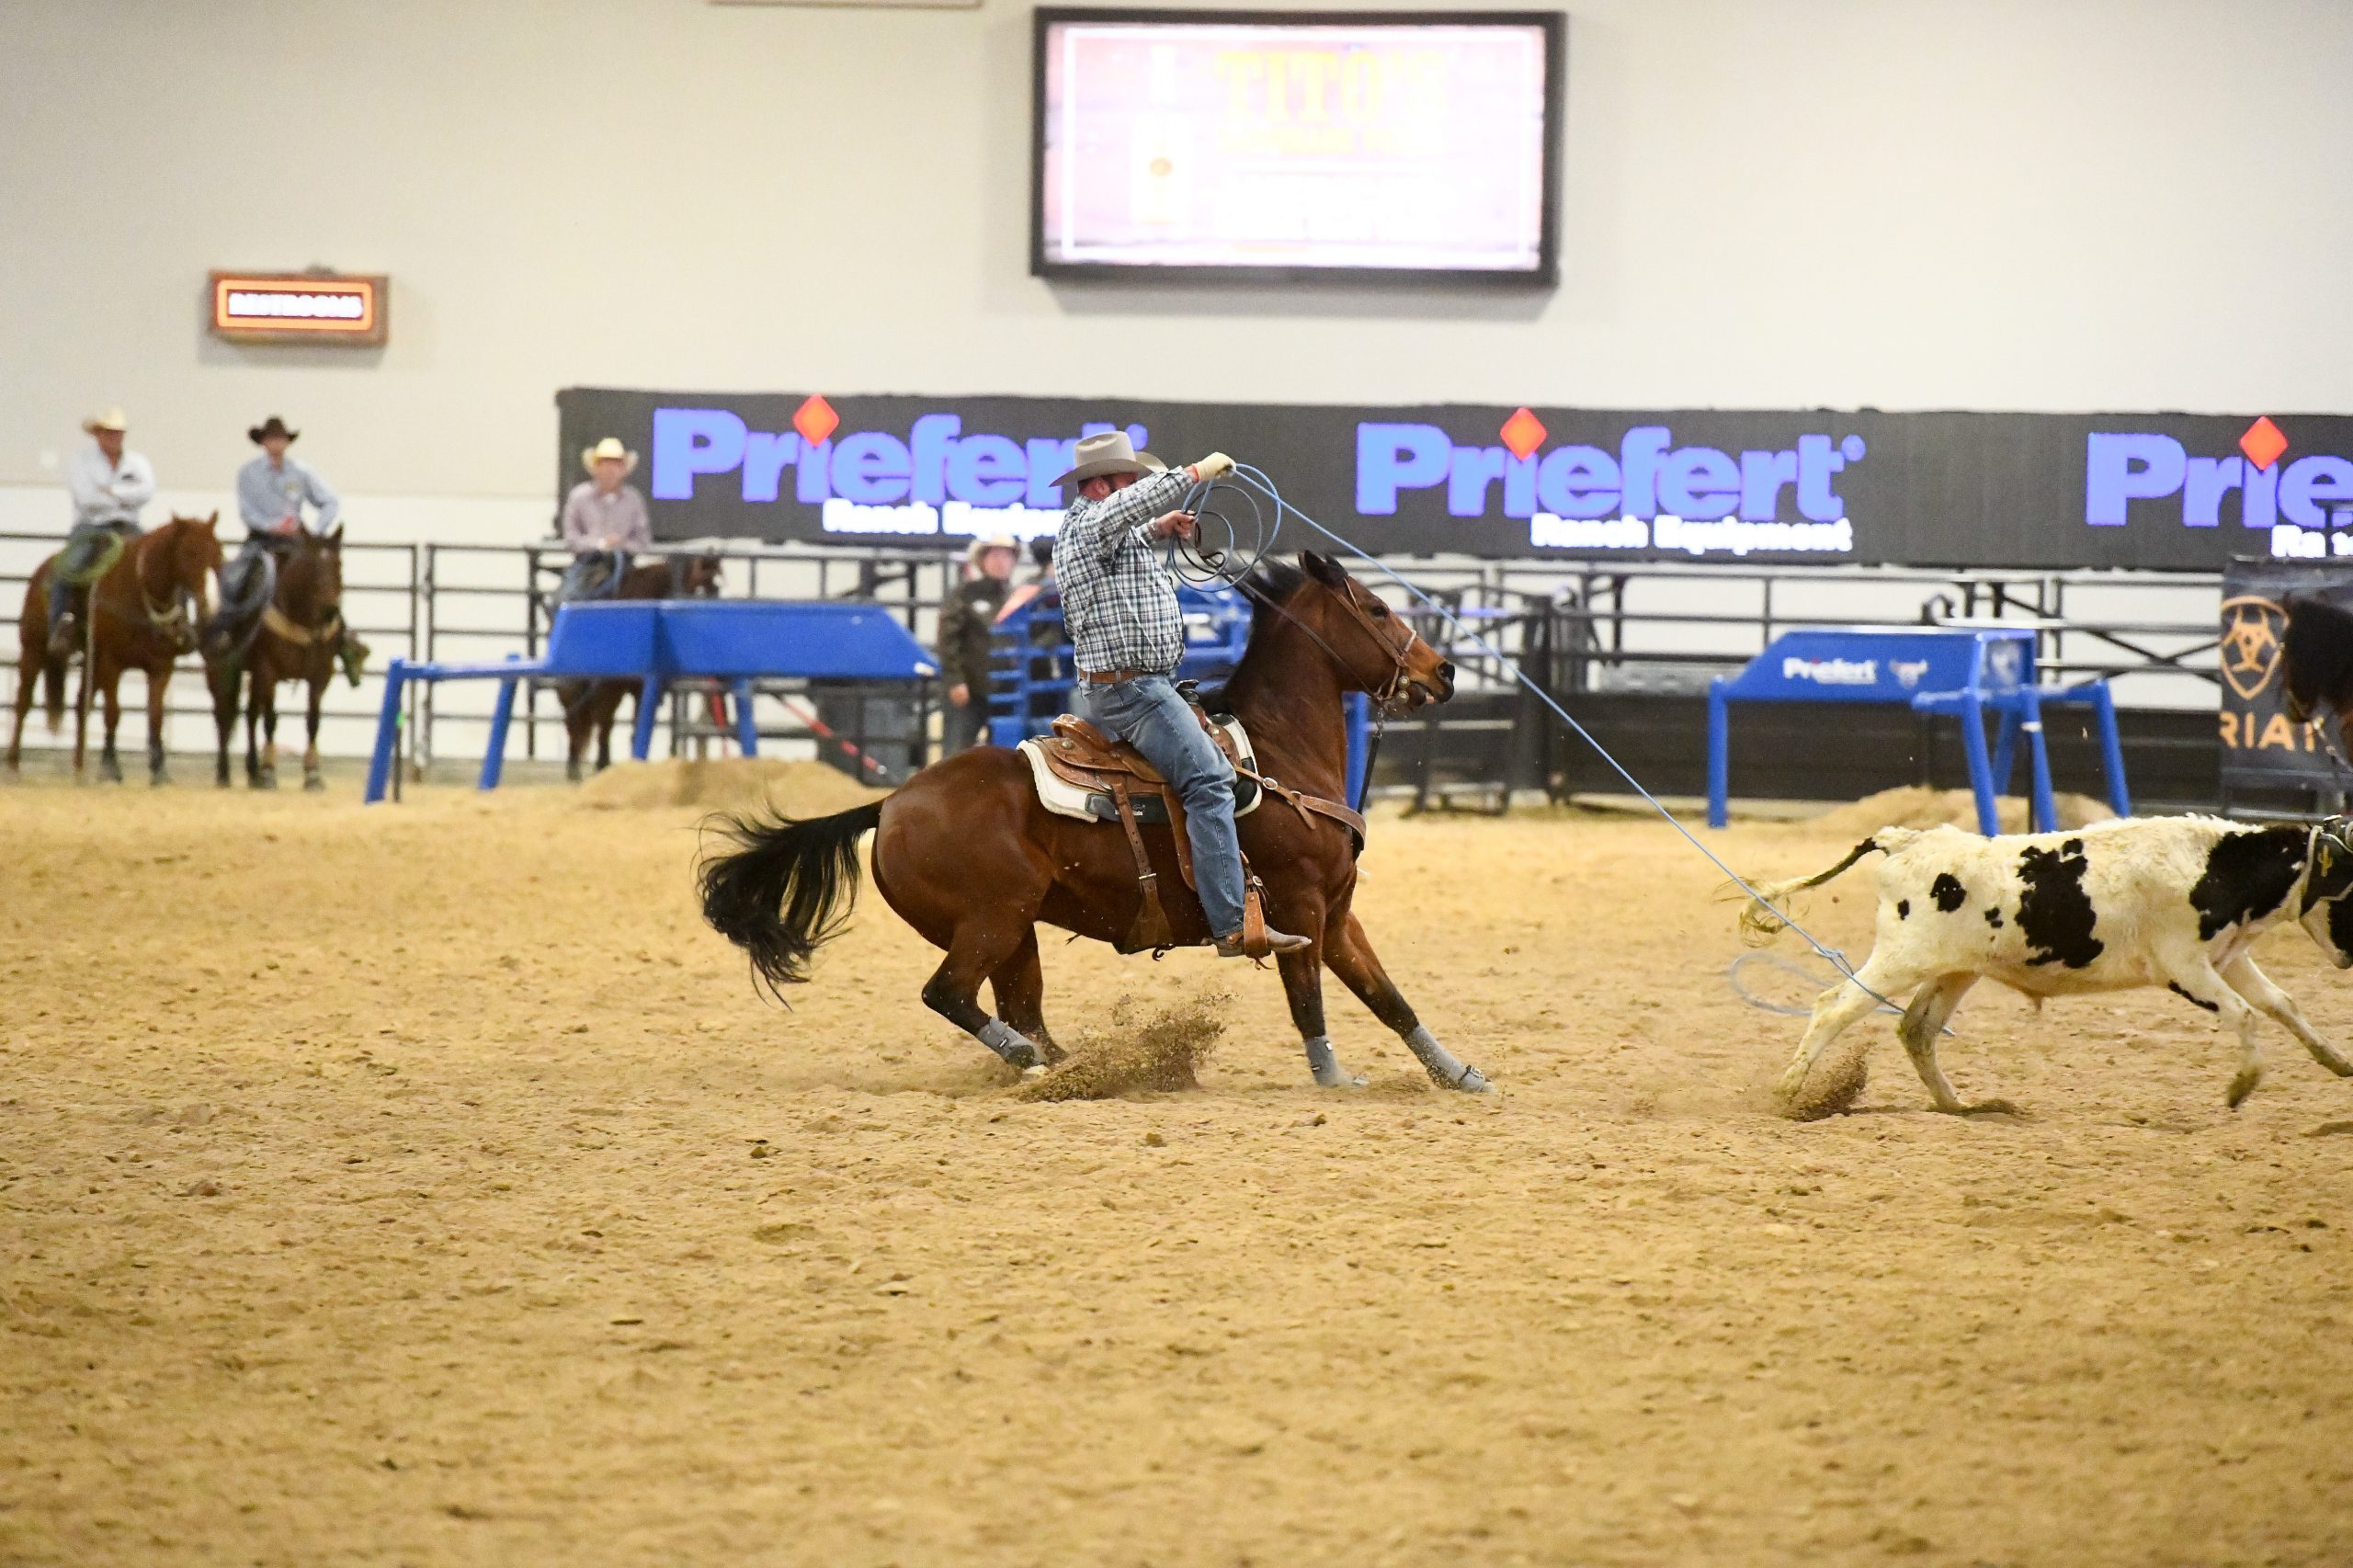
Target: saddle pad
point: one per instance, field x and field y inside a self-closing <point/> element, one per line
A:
<point x="1066" y="798"/>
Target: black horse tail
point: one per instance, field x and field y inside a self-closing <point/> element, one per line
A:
<point x="786" y="889"/>
<point x="52" y="692"/>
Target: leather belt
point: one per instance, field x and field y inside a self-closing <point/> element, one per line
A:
<point x="1113" y="678"/>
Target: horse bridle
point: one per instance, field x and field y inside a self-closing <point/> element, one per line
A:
<point x="1385" y="694"/>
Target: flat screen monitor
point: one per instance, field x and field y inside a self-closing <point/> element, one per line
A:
<point x="1271" y="146"/>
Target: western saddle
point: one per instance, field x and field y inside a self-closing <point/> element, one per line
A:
<point x="1081" y="755"/>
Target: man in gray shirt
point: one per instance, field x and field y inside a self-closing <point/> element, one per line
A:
<point x="272" y="491"/>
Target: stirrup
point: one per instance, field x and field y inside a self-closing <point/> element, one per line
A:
<point x="1270" y="941"/>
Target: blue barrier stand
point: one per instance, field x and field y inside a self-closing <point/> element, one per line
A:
<point x="659" y="641"/>
<point x="1962" y="672"/>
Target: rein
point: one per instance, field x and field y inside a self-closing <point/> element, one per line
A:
<point x="1384" y="696"/>
<point x="1399" y="652"/>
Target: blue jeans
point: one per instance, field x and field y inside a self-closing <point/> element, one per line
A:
<point x="1149" y="715"/>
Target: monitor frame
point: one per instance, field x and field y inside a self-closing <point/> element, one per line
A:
<point x="1546" y="274"/>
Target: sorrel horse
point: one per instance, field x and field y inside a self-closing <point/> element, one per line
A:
<point x="137" y="619"/>
<point x="589" y="706"/>
<point x="295" y="637"/>
<point x="964" y="853"/>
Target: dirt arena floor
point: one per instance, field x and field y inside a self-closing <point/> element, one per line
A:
<point x="425" y="1185"/>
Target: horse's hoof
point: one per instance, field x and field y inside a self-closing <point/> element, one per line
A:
<point x="158" y="778"/>
<point x="266" y="781"/>
<point x="1473" y="1081"/>
<point x="312" y="783"/>
<point x="112" y="772"/>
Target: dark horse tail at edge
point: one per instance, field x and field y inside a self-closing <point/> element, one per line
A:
<point x="787" y="888"/>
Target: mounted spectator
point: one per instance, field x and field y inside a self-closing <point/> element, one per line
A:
<point x="272" y="492"/>
<point x="108" y="486"/>
<point x="964" y="624"/>
<point x="604" y="522"/>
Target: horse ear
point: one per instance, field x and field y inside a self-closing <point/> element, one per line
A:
<point x="335" y="538"/>
<point x="1323" y="569"/>
<point x="214" y="520"/>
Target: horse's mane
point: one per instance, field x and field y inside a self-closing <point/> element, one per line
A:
<point x="1268" y="583"/>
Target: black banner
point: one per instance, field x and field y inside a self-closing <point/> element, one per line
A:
<point x="2260" y="746"/>
<point x="2001" y="490"/>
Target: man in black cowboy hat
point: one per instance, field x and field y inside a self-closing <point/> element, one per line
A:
<point x="272" y="491"/>
<point x="1119" y="605"/>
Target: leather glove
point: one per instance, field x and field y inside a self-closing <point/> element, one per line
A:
<point x="1217" y="465"/>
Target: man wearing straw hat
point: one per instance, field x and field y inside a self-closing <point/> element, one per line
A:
<point x="108" y="486"/>
<point x="965" y="620"/>
<point x="604" y="521"/>
<point x="1119" y="605"/>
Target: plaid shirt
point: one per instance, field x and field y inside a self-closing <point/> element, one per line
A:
<point x="1118" y="601"/>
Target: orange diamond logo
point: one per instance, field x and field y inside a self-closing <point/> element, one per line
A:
<point x="2263" y="443"/>
<point x="1523" y="433"/>
<point x="816" y="419"/>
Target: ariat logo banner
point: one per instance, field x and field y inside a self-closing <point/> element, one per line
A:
<point x="2261" y="745"/>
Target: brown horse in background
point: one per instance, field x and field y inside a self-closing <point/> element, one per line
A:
<point x="138" y="618"/>
<point x="295" y="638"/>
<point x="589" y="706"/>
<point x="967" y="855"/>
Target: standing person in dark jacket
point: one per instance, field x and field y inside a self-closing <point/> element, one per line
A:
<point x="965" y="623"/>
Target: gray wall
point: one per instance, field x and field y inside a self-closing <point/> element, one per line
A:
<point x="2051" y="204"/>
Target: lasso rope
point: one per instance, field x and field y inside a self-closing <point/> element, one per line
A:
<point x="1219" y="566"/>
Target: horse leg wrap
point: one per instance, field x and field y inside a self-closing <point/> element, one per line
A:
<point x="1326" y="1067"/>
<point x="1010" y="1043"/>
<point x="1443" y="1065"/>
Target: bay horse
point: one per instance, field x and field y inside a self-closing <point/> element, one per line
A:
<point x="295" y="637"/>
<point x="589" y="706"/>
<point x="138" y="618"/>
<point x="965" y="854"/>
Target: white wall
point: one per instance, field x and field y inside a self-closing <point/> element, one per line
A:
<point x="2043" y="204"/>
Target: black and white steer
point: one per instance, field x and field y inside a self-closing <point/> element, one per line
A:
<point x="2177" y="902"/>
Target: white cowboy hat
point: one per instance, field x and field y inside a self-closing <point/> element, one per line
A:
<point x="112" y="419"/>
<point x="608" y="449"/>
<point x="1110" y="453"/>
<point x="980" y="547"/>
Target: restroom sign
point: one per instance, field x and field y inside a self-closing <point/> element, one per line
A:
<point x="319" y="308"/>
